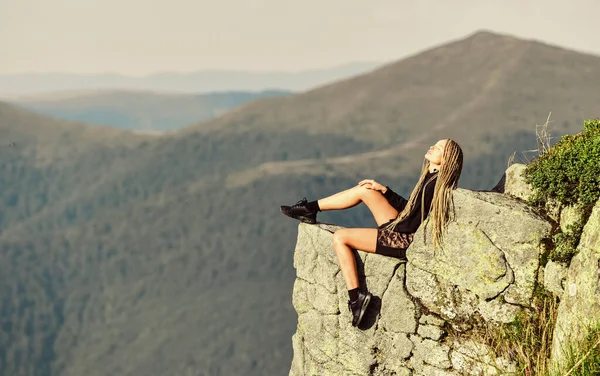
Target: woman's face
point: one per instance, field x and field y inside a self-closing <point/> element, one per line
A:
<point x="435" y="152"/>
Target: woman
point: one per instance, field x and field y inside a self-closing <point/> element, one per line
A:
<point x="397" y="218"/>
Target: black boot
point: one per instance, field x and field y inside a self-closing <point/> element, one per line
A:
<point x="300" y="211"/>
<point x="359" y="307"/>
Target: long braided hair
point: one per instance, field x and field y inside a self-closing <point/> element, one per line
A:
<point x="447" y="181"/>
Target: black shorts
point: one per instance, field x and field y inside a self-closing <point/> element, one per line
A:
<point x="392" y="243"/>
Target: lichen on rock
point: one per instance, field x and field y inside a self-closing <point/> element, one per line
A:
<point x="489" y="260"/>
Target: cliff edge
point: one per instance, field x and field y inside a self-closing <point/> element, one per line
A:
<point x="486" y="272"/>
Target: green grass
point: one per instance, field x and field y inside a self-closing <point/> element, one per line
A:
<point x="567" y="173"/>
<point x="565" y="243"/>
<point x="528" y="340"/>
<point x="583" y="359"/>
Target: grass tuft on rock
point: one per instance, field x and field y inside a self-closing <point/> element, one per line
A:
<point x="528" y="340"/>
<point x="568" y="173"/>
<point x="583" y="359"/>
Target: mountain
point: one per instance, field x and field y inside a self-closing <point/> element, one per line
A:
<point x="147" y="111"/>
<point x="480" y="91"/>
<point x="12" y="85"/>
<point x="128" y="254"/>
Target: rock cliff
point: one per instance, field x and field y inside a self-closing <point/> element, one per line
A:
<point x="486" y="271"/>
<point x="423" y="311"/>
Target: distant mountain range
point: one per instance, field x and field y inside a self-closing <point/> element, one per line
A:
<point x="129" y="254"/>
<point x="15" y="85"/>
<point x="139" y="110"/>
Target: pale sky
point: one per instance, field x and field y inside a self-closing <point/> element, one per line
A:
<point x="139" y="37"/>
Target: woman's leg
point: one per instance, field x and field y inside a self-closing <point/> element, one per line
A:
<point x="344" y="241"/>
<point x="380" y="208"/>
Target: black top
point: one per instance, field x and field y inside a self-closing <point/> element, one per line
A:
<point x="411" y="223"/>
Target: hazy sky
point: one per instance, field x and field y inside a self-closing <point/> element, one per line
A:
<point x="139" y="37"/>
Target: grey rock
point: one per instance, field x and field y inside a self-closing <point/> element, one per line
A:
<point x="439" y="295"/>
<point x="506" y="366"/>
<point x="309" y="296"/>
<point x="314" y="258"/>
<point x="582" y="292"/>
<point x="569" y="215"/>
<point x="488" y="267"/>
<point x="383" y="371"/>
<point x="378" y="270"/>
<point x="298" y="361"/>
<point x="392" y="350"/>
<point x="515" y="182"/>
<point x="472" y="358"/>
<point x="321" y="348"/>
<point x="398" y="312"/>
<point x="512" y="227"/>
<point x="431" y="320"/>
<point x="468" y="260"/>
<point x="430" y="331"/>
<point x="555" y="274"/>
<point x="590" y="237"/>
<point x="429" y="352"/>
<point x="396" y="345"/>
<point x="427" y="370"/>
<point x="553" y="209"/>
<point x="498" y="311"/>
<point x="325" y="342"/>
<point x="491" y="249"/>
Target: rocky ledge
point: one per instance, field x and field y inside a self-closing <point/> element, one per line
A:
<point x="486" y="272"/>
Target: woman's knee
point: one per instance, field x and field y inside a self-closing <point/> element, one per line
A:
<point x="364" y="193"/>
<point x="339" y="238"/>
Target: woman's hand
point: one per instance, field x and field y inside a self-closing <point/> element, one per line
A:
<point x="372" y="184"/>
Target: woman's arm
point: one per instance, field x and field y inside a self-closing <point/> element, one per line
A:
<point x="398" y="202"/>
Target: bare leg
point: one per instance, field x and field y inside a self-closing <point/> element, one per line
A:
<point x="344" y="240"/>
<point x="380" y="208"/>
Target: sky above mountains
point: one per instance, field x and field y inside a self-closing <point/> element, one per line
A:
<point x="137" y="37"/>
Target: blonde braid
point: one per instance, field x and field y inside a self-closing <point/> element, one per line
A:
<point x="447" y="181"/>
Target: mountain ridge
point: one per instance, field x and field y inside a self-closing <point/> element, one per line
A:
<point x="139" y="110"/>
<point x="12" y="85"/>
<point x="491" y="90"/>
